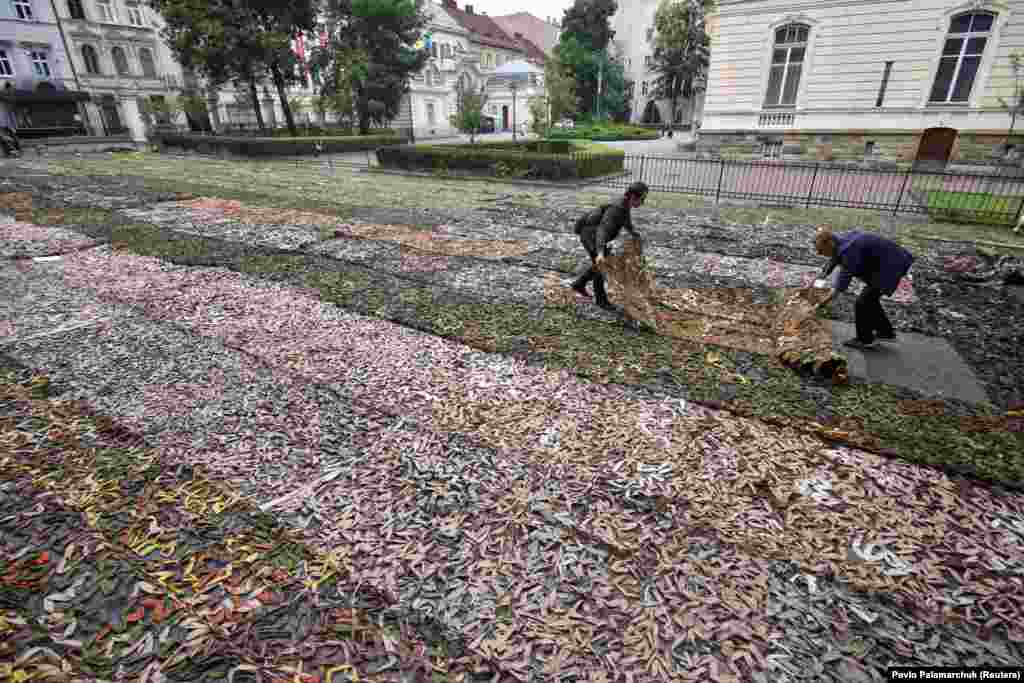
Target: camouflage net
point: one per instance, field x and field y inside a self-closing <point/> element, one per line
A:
<point x="790" y="331"/>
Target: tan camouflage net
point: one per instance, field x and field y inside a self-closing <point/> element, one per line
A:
<point x="790" y="330"/>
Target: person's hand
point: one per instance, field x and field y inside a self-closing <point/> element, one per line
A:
<point x="827" y="300"/>
<point x="599" y="260"/>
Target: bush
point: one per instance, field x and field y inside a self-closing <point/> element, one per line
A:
<point x="603" y="132"/>
<point x="328" y="131"/>
<point x="501" y="159"/>
<point x="262" y="147"/>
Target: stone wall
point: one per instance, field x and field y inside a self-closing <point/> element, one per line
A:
<point x="889" y="147"/>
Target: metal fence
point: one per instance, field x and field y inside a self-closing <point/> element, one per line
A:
<point x="974" y="197"/>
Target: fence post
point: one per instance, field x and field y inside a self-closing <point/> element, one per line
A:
<point x="721" y="174"/>
<point x="642" y="160"/>
<point x="902" y="188"/>
<point x="1020" y="209"/>
<point x="811" y="191"/>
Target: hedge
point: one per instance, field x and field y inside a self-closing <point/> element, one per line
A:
<point x="330" y="131"/>
<point x="498" y="160"/>
<point x="603" y="133"/>
<point x="257" y="147"/>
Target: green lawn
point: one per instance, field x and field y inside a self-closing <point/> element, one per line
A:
<point x="974" y="207"/>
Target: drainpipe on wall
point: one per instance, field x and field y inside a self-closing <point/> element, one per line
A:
<point x="71" y="62"/>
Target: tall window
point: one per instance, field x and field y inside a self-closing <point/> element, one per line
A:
<point x="75" y="9"/>
<point x="120" y="61"/>
<point x="92" y="62"/>
<point x="23" y="9"/>
<point x="106" y="11"/>
<point x="40" y="66"/>
<point x="134" y="15"/>
<point x="5" y="64"/>
<point x="146" y="59"/>
<point x="961" y="56"/>
<point x="431" y="114"/>
<point x="787" y="64"/>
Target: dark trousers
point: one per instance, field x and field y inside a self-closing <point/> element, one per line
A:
<point x="592" y="273"/>
<point x="870" y="317"/>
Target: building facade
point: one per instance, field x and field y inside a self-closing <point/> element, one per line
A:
<point x="39" y="94"/>
<point x="633" y="47"/>
<point x="875" y="81"/>
<point x="121" y="61"/>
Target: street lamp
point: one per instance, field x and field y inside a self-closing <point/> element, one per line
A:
<point x="513" y="86"/>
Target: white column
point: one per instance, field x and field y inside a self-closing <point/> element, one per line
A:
<point x="133" y="119"/>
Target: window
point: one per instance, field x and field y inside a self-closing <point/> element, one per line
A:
<point x="643" y="88"/>
<point x="134" y="15"/>
<point x="433" y="50"/>
<point x="23" y="9"/>
<point x="40" y="65"/>
<point x="120" y="60"/>
<point x="5" y="64"/>
<point x="787" y="63"/>
<point x="75" y="9"/>
<point x="499" y="59"/>
<point x="961" y="57"/>
<point x="885" y="84"/>
<point x="650" y="34"/>
<point x="106" y="11"/>
<point x="159" y="108"/>
<point x="92" y="62"/>
<point x="771" y="150"/>
<point x="146" y="59"/>
<point x="869" y="148"/>
<point x="431" y="115"/>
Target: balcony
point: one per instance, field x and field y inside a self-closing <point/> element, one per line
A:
<point x="779" y="119"/>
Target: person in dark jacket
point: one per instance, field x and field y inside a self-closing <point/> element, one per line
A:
<point x="880" y="263"/>
<point x="597" y="229"/>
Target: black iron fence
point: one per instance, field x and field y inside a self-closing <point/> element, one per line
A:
<point x="943" y="195"/>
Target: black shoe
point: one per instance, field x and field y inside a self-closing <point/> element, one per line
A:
<point x="606" y="305"/>
<point x="859" y="345"/>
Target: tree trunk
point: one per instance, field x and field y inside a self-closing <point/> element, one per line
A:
<point x="256" y="101"/>
<point x="275" y="71"/>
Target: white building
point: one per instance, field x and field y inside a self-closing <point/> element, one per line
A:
<point x="120" y="59"/>
<point x="39" y="95"/>
<point x="898" y="81"/>
<point x="467" y="47"/>
<point x="633" y="46"/>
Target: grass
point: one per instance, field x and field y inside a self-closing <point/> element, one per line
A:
<point x="870" y="416"/>
<point x="974" y="207"/>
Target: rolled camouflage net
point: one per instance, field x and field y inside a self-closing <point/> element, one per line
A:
<point x="791" y="330"/>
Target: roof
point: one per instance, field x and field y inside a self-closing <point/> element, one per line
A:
<point x="536" y="30"/>
<point x="483" y="29"/>
<point x="533" y="53"/>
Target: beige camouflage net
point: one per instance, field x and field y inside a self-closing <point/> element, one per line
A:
<point x="728" y="317"/>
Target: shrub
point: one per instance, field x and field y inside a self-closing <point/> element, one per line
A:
<point x="262" y="147"/>
<point x="499" y="159"/>
<point x="603" y="132"/>
<point x="328" y="131"/>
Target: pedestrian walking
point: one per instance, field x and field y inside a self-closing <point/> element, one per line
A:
<point x="597" y="229"/>
<point x="880" y="263"/>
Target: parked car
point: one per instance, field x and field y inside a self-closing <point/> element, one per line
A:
<point x="487" y="124"/>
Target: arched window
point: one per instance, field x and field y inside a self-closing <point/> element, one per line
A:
<point x="148" y="65"/>
<point x="92" y="62"/>
<point x="961" y="56"/>
<point x="788" y="53"/>
<point x="120" y="60"/>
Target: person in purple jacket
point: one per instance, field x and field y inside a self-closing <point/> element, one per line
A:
<point x="880" y="263"/>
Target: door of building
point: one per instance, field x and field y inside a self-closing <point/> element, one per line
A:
<point x="111" y="117"/>
<point x="935" y="148"/>
<point x="504" y="118"/>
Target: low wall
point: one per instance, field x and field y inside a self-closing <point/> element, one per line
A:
<point x="78" y="143"/>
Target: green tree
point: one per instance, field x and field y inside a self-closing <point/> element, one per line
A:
<point x="589" y="21"/>
<point x="681" y="51"/>
<point x="559" y="90"/>
<point x="371" y="55"/>
<point x="239" y="41"/>
<point x="469" y="103"/>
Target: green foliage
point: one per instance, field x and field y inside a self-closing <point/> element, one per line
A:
<point x="497" y="160"/>
<point x="370" y="56"/>
<point x="263" y="147"/>
<point x="588" y="22"/>
<point x="559" y="88"/>
<point x="538" y="115"/>
<point x="603" y="132"/>
<point x="681" y="50"/>
<point x="1015" y="106"/>
<point x="468" y="117"/>
<point x="600" y="82"/>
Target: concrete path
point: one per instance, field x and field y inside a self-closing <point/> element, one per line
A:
<point x="914" y="361"/>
